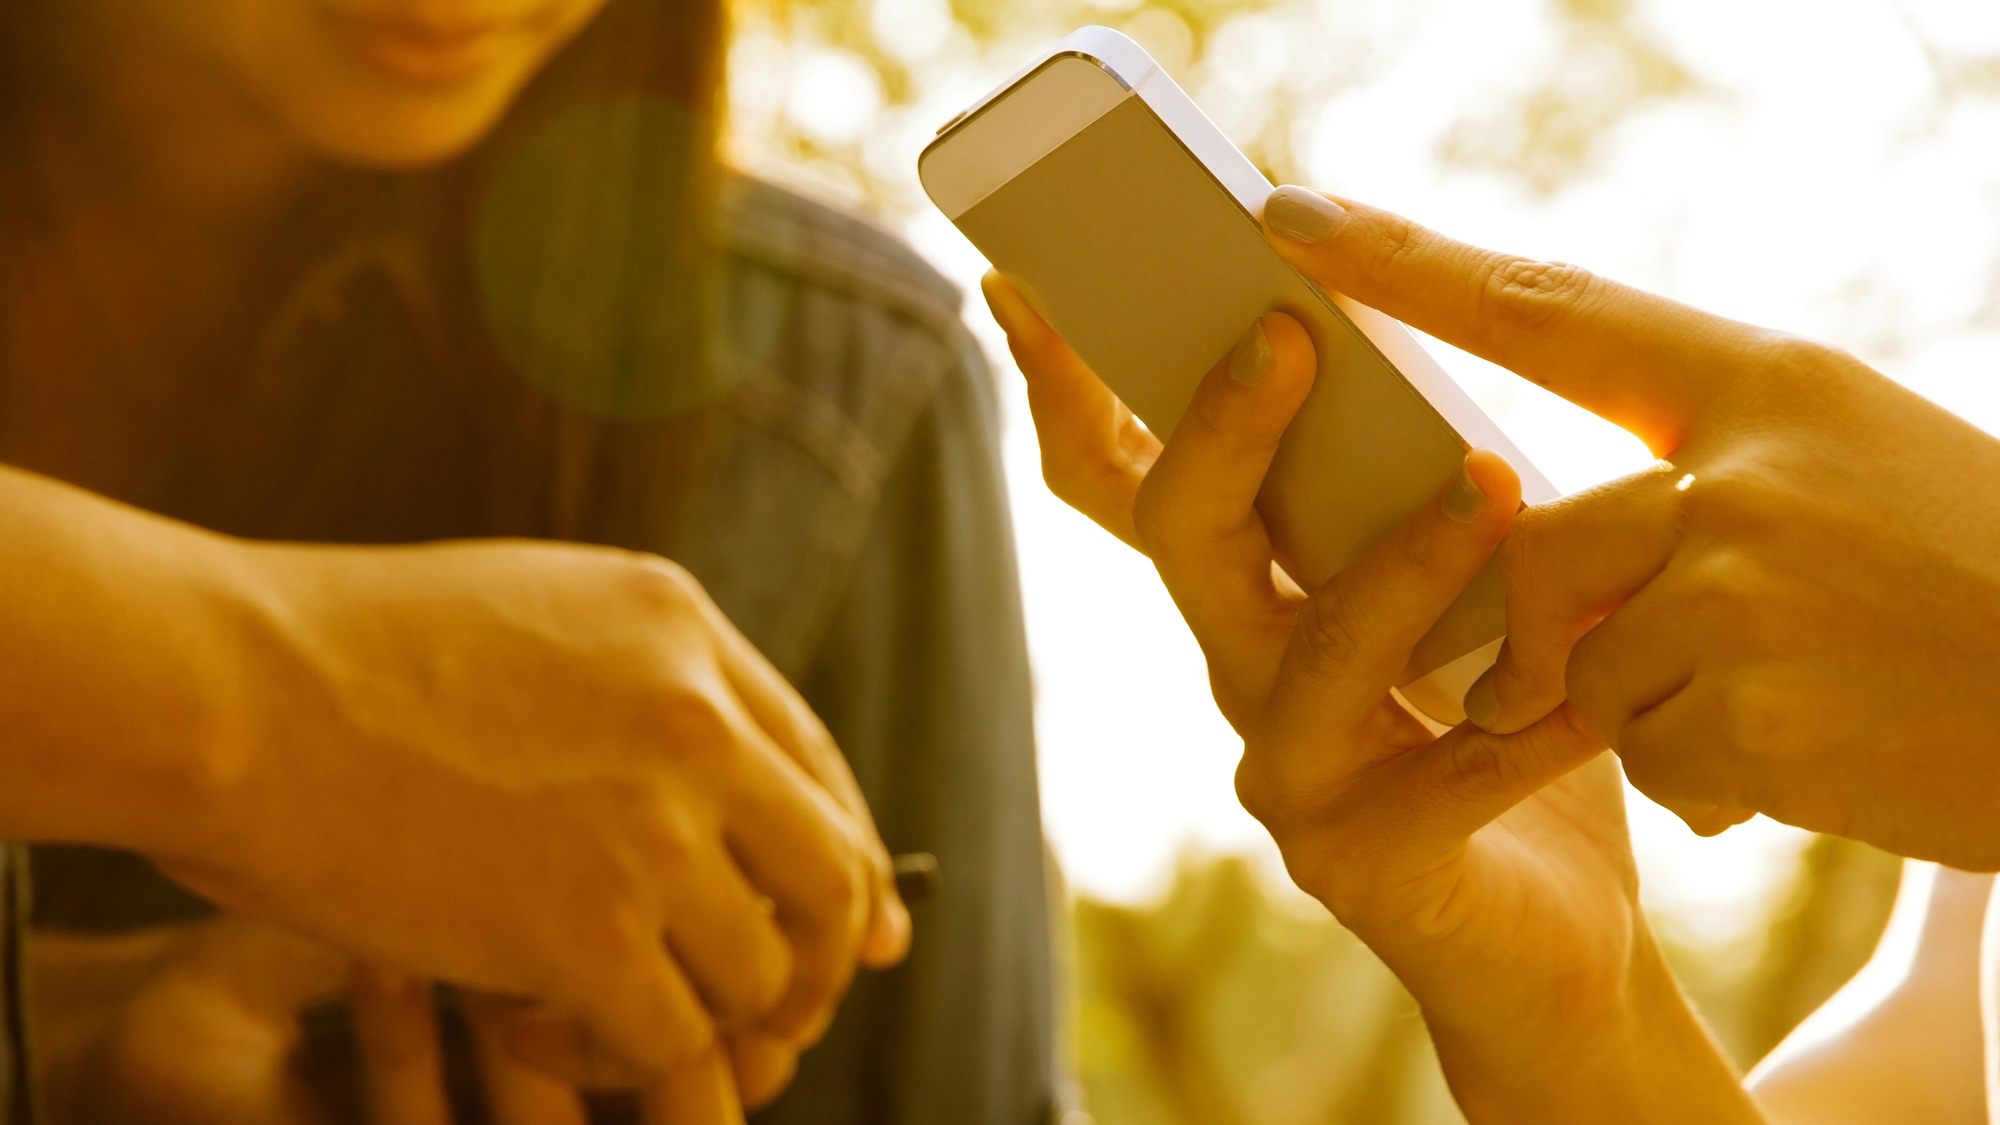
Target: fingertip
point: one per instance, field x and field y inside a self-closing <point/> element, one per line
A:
<point x="1010" y="310"/>
<point x="1497" y="478"/>
<point x="888" y="940"/>
<point x="764" y="1067"/>
<point x="1712" y="820"/>
<point x="653" y="1030"/>
<point x="1294" y="362"/>
<point x="1255" y="390"/>
<point x="701" y="1091"/>
<point x="998" y="296"/>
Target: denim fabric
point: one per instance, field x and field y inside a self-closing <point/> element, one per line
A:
<point x="838" y="494"/>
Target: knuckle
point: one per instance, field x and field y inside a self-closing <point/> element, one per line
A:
<point x="840" y="895"/>
<point x="1330" y="629"/>
<point x="1528" y="294"/>
<point x="1748" y="490"/>
<point x="1475" y="768"/>
<point x="1302" y="837"/>
<point x="1315" y="862"/>
<point x="1255" y="791"/>
<point x="1756" y="719"/>
<point x="692" y="724"/>
<point x="1724" y="585"/>
<point x="1576" y="729"/>
<point x="1519" y="556"/>
<point x="1288" y="792"/>
<point x="660" y="585"/>
<point x="1653" y="774"/>
<point x="1395" y="240"/>
<point x="1794" y="359"/>
<point x="1425" y="551"/>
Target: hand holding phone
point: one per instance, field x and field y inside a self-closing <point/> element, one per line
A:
<point x="1129" y="223"/>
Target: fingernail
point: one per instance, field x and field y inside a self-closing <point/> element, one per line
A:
<point x="1301" y="214"/>
<point x="1463" y="501"/>
<point x="1482" y="701"/>
<point x="1250" y="359"/>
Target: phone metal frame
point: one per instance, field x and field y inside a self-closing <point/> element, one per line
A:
<point x="1045" y="126"/>
<point x="1142" y="77"/>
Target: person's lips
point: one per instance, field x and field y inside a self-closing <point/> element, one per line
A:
<point x="423" y="51"/>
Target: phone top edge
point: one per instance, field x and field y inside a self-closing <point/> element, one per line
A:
<point x="1075" y="43"/>
<point x="1014" y="129"/>
<point x="1129" y="64"/>
<point x="1139" y="74"/>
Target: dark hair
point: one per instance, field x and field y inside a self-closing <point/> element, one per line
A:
<point x="581" y="252"/>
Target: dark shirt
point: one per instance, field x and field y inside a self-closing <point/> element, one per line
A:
<point x="16" y="1084"/>
<point x="836" y="489"/>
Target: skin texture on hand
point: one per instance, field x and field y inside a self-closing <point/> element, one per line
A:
<point x="201" y="1024"/>
<point x="545" y="771"/>
<point x="1797" y="611"/>
<point x="520" y="767"/>
<point x="1492" y="873"/>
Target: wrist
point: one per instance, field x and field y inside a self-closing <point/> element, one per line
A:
<point x="120" y="671"/>
<point x="1637" y="1053"/>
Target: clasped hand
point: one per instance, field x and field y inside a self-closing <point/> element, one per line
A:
<point x="554" y="773"/>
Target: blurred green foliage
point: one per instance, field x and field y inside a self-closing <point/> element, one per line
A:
<point x="1231" y="1003"/>
<point x="1606" y="67"/>
<point x="1228" y="1004"/>
<point x="1239" y="59"/>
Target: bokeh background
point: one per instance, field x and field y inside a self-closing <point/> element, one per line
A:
<point x="1831" y="167"/>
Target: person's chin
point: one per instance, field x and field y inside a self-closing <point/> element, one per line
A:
<point x="406" y="133"/>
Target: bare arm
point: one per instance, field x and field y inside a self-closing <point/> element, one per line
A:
<point x="1901" y="1042"/>
<point x="115" y="658"/>
<point x="549" y="771"/>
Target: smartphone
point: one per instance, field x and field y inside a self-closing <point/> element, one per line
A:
<point x="1126" y="218"/>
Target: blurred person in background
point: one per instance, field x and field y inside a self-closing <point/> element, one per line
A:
<point x="1796" y="611"/>
<point x="291" y="285"/>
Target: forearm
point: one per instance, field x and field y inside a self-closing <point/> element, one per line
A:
<point x="119" y="669"/>
<point x="1642" y="1057"/>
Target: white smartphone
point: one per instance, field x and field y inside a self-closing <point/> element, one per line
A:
<point x="1126" y="218"/>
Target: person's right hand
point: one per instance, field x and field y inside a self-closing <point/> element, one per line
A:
<point x="1798" y="613"/>
<point x="549" y="771"/>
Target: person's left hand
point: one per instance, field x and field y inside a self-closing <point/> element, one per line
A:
<point x="199" y="1024"/>
<point x="194" y="1023"/>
